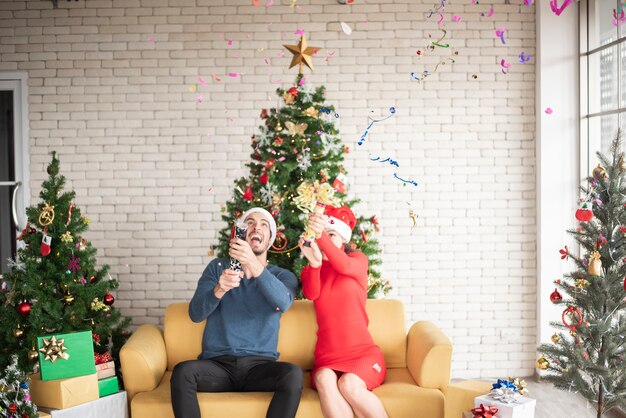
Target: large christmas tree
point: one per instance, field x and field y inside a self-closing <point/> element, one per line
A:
<point x="587" y="355"/>
<point x="296" y="152"/>
<point x="55" y="286"/>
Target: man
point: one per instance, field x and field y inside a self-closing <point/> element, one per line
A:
<point x="242" y="312"/>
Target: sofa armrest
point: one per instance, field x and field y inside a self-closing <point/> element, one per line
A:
<point x="143" y="359"/>
<point x="429" y="356"/>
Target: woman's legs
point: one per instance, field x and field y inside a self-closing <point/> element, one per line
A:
<point x="364" y="403"/>
<point x="333" y="404"/>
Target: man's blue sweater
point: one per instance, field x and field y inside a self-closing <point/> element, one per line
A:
<point x="245" y="321"/>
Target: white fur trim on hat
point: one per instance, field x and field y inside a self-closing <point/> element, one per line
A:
<point x="342" y="228"/>
<point x="268" y="216"/>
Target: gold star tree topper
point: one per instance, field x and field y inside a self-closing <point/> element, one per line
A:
<point x="302" y="54"/>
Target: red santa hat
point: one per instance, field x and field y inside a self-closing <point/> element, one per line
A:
<point x="340" y="220"/>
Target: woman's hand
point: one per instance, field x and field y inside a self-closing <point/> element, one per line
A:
<point x="317" y="223"/>
<point x="312" y="253"/>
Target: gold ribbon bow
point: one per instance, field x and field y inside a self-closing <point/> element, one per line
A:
<point x="54" y="349"/>
<point x="296" y="129"/>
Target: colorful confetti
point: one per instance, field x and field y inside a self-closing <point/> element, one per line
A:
<point x="150" y="39"/>
<point x="202" y="81"/>
<point x="392" y="111"/>
<point x="505" y="66"/>
<point x="299" y="32"/>
<point x="346" y="28"/>
<point x="558" y="10"/>
<point x="200" y="99"/>
<point x="549" y="111"/>
<point x="230" y="42"/>
<point x="192" y="88"/>
<point x="255" y="3"/>
<point x="500" y="34"/>
<point x="412" y="182"/>
<point x="456" y="19"/>
<point x="523" y="58"/>
<point x="233" y="75"/>
<point x="488" y="14"/>
<point x="618" y="20"/>
<point x="392" y="162"/>
<point x="216" y="78"/>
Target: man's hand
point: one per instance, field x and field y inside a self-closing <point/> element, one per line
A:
<point x="240" y="250"/>
<point x="312" y="253"/>
<point x="317" y="223"/>
<point x="229" y="279"/>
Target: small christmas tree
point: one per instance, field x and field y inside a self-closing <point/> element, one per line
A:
<point x="298" y="148"/>
<point x="14" y="397"/>
<point x="587" y="356"/>
<point x="55" y="286"/>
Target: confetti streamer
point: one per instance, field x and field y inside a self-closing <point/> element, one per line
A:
<point x="233" y="75"/>
<point x="500" y="34"/>
<point x="392" y="111"/>
<point x="490" y="12"/>
<point x="266" y="61"/>
<point x="293" y="3"/>
<point x="529" y="2"/>
<point x="438" y="6"/>
<point x="202" y="81"/>
<point x="438" y="41"/>
<point x="411" y="182"/>
<point x="558" y="10"/>
<point x="392" y="162"/>
<point x="412" y="215"/>
<point x="523" y="58"/>
<point x="440" y="18"/>
<point x="427" y="73"/>
<point x="216" y="78"/>
<point x="299" y="32"/>
<point x="346" y="28"/>
<point x="200" y="99"/>
<point x="330" y="54"/>
<point x="505" y="66"/>
<point x="230" y="42"/>
<point x="549" y="110"/>
<point x="456" y="19"/>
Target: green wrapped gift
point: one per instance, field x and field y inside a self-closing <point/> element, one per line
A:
<point x="66" y="355"/>
<point x="108" y="386"/>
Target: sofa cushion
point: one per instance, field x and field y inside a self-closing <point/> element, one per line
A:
<point x="297" y="336"/>
<point x="399" y="394"/>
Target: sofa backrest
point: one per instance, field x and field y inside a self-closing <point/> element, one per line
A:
<point x="297" y="336"/>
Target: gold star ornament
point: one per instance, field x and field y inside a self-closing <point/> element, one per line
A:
<point x="302" y="54"/>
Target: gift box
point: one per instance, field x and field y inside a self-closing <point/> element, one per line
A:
<point x="66" y="355"/>
<point x="522" y="407"/>
<point x="63" y="393"/>
<point x="43" y="414"/>
<point x="113" y="406"/>
<point x="105" y="370"/>
<point x="108" y="386"/>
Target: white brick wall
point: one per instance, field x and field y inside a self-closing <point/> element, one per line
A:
<point x="151" y="167"/>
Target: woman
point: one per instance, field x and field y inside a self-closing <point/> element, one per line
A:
<point x="348" y="365"/>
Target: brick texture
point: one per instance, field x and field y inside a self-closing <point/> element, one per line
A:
<point x="109" y="89"/>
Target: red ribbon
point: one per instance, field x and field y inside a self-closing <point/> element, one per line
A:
<point x="484" y="411"/>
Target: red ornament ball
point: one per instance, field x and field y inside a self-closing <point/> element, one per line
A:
<point x="293" y="91"/>
<point x="92" y="279"/>
<point x="108" y="299"/>
<point x="555" y="297"/>
<point x="263" y="179"/>
<point x="24" y="308"/>
<point x="13" y="408"/>
<point x="584" y="214"/>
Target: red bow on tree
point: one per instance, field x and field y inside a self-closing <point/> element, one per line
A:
<point x="564" y="253"/>
<point x="484" y="411"/>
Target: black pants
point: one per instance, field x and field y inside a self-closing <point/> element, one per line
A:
<point x="236" y="374"/>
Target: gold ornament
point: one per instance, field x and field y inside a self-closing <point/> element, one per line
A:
<point x="47" y="215"/>
<point x="312" y="112"/>
<point x="85" y="220"/>
<point x="288" y="98"/>
<point x="67" y="237"/>
<point x="573" y="332"/>
<point x="595" y="264"/>
<point x="54" y="349"/>
<point x="302" y="54"/>
<point x="3" y="388"/>
<point x="520" y="384"/>
<point x="582" y="283"/>
<point x="32" y="355"/>
<point x="296" y="129"/>
<point x="278" y="127"/>
<point x="542" y="363"/>
<point x="18" y="332"/>
<point x="598" y="172"/>
<point x="68" y="298"/>
<point x="97" y="304"/>
<point x="311" y="193"/>
<point x="555" y="338"/>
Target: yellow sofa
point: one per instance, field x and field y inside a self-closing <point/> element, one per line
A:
<point x="418" y="364"/>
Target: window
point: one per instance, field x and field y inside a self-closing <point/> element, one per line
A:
<point x="603" y="76"/>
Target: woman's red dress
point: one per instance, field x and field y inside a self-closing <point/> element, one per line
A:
<point x="338" y="289"/>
